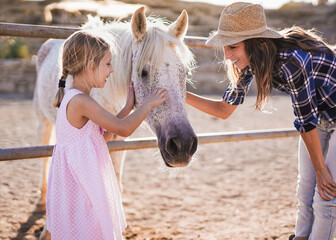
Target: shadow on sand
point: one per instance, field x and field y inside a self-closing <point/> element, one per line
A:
<point x="33" y="226"/>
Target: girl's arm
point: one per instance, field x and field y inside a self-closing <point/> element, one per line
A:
<point x="124" y="111"/>
<point x="217" y="108"/>
<point x="83" y="107"/>
<point x="129" y="102"/>
<point x="324" y="180"/>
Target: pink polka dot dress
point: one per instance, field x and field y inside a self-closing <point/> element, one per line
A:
<point x="83" y="198"/>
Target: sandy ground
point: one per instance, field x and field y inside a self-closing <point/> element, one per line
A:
<point x="238" y="190"/>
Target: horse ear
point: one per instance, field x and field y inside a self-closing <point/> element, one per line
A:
<point x="180" y="26"/>
<point x="139" y="23"/>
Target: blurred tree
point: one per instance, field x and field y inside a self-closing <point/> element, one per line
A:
<point x="14" y="48"/>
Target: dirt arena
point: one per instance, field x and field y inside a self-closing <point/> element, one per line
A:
<point x="239" y="190"/>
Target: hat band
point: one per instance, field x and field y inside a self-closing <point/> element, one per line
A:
<point x="242" y="33"/>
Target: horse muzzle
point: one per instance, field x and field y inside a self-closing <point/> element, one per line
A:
<point x="177" y="144"/>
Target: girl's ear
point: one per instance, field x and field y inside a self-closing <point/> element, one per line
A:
<point x="91" y="65"/>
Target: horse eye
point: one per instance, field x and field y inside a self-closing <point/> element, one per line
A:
<point x="144" y="74"/>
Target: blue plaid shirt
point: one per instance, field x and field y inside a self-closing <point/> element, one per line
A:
<point x="312" y="87"/>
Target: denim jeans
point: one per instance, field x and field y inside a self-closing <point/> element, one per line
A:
<point x="316" y="218"/>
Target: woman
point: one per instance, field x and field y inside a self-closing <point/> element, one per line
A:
<point x="299" y="63"/>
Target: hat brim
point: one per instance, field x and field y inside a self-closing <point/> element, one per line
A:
<point x="219" y="40"/>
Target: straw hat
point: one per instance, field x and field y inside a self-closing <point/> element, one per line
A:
<point x="240" y="21"/>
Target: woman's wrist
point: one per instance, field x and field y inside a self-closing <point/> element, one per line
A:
<point x="320" y="168"/>
<point x="319" y="165"/>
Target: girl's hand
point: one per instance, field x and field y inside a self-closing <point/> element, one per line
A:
<point x="325" y="184"/>
<point x="157" y="97"/>
<point x="130" y="97"/>
<point x="108" y="135"/>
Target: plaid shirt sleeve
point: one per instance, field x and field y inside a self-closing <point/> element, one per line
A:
<point x="235" y="95"/>
<point x="302" y="90"/>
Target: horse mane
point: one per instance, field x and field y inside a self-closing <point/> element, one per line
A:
<point x="152" y="48"/>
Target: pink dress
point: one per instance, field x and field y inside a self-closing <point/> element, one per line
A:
<point x="83" y="198"/>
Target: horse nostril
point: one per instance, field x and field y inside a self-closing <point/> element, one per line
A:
<point x="193" y="146"/>
<point x="173" y="146"/>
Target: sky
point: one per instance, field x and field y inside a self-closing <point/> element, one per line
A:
<point x="267" y="4"/>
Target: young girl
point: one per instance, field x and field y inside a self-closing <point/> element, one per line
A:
<point x="300" y="64"/>
<point x="83" y="199"/>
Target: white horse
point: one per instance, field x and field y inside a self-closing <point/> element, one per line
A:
<point x="151" y="55"/>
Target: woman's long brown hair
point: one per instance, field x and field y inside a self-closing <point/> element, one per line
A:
<point x="262" y="54"/>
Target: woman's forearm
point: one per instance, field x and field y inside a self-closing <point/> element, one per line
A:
<point x="324" y="180"/>
<point x="313" y="144"/>
<point x="217" y="108"/>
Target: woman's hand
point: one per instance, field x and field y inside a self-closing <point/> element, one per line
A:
<point x="130" y="101"/>
<point x="157" y="97"/>
<point x="324" y="181"/>
<point x="325" y="184"/>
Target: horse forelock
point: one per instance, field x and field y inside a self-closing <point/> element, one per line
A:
<point x="157" y="41"/>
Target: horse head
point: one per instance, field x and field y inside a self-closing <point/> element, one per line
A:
<point x="161" y="59"/>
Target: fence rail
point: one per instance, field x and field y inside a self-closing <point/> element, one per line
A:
<point x="40" y="31"/>
<point x="150" y="142"/>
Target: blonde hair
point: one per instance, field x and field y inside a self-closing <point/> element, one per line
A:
<point x="78" y="50"/>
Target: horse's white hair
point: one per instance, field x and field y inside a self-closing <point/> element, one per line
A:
<point x="157" y="39"/>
